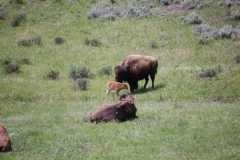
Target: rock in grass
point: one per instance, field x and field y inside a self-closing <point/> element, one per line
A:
<point x="12" y="68"/>
<point x="59" y="40"/>
<point x="29" y="41"/>
<point x="193" y="18"/>
<point x="18" y="19"/>
<point x="5" y="142"/>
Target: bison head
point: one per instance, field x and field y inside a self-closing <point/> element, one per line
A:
<point x="122" y="73"/>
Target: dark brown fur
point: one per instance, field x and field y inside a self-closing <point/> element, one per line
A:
<point x="123" y="110"/>
<point x="135" y="68"/>
<point x="5" y="142"/>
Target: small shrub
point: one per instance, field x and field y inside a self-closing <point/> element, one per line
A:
<point x="6" y="61"/>
<point x="237" y="59"/>
<point x="25" y="61"/>
<point x="53" y="75"/>
<point x="165" y="2"/>
<point x="106" y="70"/>
<point x="210" y="73"/>
<point x="58" y="1"/>
<point x="3" y="14"/>
<point x="235" y="12"/>
<point x="204" y="40"/>
<point x="12" y="68"/>
<point x="20" y="1"/>
<point x="193" y="18"/>
<point x="225" y="31"/>
<point x="93" y="42"/>
<point x="153" y="45"/>
<point x="206" y="31"/>
<point x="59" y="40"/>
<point x="18" y="19"/>
<point x="29" y="41"/>
<point x="81" y="84"/>
<point x="80" y="72"/>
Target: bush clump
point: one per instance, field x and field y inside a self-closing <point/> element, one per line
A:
<point x="193" y="18"/>
<point x="153" y="45"/>
<point x="93" y="42"/>
<point x="106" y="70"/>
<point x="59" y="40"/>
<point x="18" y="19"/>
<point x="3" y="14"/>
<point x="237" y="59"/>
<point x="81" y="84"/>
<point x="210" y="73"/>
<point x="29" y="41"/>
<point x="53" y="75"/>
<point x="80" y="72"/>
<point x="25" y="61"/>
<point x="6" y="61"/>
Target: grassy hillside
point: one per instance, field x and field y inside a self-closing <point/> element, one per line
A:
<point x="184" y="117"/>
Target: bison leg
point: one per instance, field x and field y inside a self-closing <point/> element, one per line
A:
<point x="152" y="78"/>
<point x="146" y="82"/>
<point x="133" y="85"/>
<point x="131" y="88"/>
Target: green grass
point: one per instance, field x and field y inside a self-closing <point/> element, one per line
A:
<point x="185" y="117"/>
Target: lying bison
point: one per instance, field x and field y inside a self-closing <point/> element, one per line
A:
<point x="123" y="110"/>
<point x="135" y="68"/>
<point x="5" y="142"/>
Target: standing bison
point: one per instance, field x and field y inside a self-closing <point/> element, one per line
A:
<point x="135" y="68"/>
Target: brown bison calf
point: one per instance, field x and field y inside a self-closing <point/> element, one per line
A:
<point x="135" y="68"/>
<point x="5" y="142"/>
<point x="123" y="110"/>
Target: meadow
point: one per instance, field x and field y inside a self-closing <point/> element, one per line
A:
<point x="184" y="117"/>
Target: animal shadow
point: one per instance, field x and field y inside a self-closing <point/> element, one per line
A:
<point x="142" y="90"/>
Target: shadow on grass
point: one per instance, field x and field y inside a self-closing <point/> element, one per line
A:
<point x="142" y="90"/>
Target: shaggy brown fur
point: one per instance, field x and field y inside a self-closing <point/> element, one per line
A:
<point x="135" y="68"/>
<point x="123" y="110"/>
<point x="5" y="142"/>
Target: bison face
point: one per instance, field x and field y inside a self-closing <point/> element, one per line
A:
<point x="121" y="73"/>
